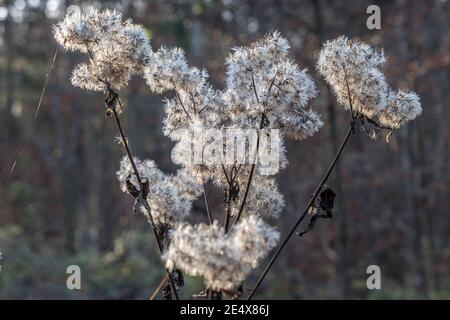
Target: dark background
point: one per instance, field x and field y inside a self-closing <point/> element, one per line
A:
<point x="62" y="204"/>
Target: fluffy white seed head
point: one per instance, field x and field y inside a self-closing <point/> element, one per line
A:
<point x="117" y="49"/>
<point x="262" y="79"/>
<point x="262" y="84"/>
<point x="403" y="106"/>
<point x="351" y="69"/>
<point x="264" y="199"/>
<point x="222" y="260"/>
<point x="76" y="32"/>
<point x="169" y="71"/>
<point x="170" y="196"/>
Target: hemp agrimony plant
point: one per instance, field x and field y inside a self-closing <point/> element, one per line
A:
<point x="232" y="138"/>
<point x="350" y="67"/>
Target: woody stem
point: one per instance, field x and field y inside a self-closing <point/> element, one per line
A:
<point x="143" y="199"/>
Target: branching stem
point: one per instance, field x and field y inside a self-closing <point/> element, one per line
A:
<point x="305" y="211"/>
<point x="143" y="200"/>
<point x="252" y="170"/>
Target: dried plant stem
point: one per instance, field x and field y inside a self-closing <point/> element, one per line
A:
<point x="247" y="188"/>
<point x="214" y="295"/>
<point x="261" y="126"/>
<point x="305" y="211"/>
<point x="228" y="210"/>
<point x="205" y="198"/>
<point x="23" y="142"/>
<point x="182" y="105"/>
<point x="252" y="170"/>
<point x="159" y="287"/>
<point x="143" y="199"/>
<point x="228" y="214"/>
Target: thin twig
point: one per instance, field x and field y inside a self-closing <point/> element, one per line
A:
<point x="126" y="145"/>
<point x="13" y="162"/>
<point x="182" y="105"/>
<point x="348" y="91"/>
<point x="254" y="87"/>
<point x="143" y="199"/>
<point x="247" y="188"/>
<point x="225" y="172"/>
<point x="231" y="194"/>
<point x="205" y="198"/>
<point x="159" y="287"/>
<point x="228" y="212"/>
<point x="261" y="125"/>
<point x="230" y="181"/>
<point x="252" y="170"/>
<point x="193" y="102"/>
<point x="305" y="211"/>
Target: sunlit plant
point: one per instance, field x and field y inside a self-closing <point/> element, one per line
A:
<point x="267" y="96"/>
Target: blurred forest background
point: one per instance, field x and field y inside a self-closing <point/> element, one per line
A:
<point x="62" y="204"/>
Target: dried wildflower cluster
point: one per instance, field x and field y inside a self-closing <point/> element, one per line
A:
<point x="267" y="96"/>
<point x="403" y="106"/>
<point x="170" y="196"/>
<point x="222" y="259"/>
<point x="195" y="108"/>
<point x="262" y="80"/>
<point x="118" y="49"/>
<point x="265" y="90"/>
<point x="264" y="198"/>
<point x="351" y="69"/>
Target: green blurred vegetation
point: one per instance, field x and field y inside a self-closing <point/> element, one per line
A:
<point x="128" y="271"/>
